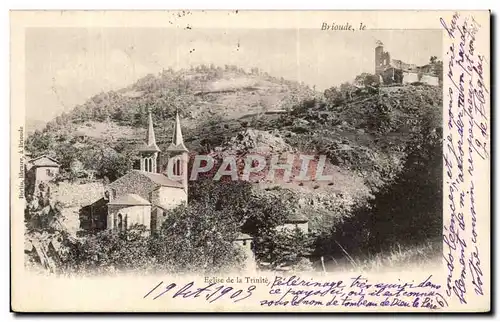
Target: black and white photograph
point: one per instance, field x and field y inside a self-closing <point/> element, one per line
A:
<point x="267" y="154"/>
<point x="200" y="150"/>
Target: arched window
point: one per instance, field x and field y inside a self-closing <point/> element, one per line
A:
<point x="120" y="222"/>
<point x="150" y="165"/>
<point x="177" y="167"/>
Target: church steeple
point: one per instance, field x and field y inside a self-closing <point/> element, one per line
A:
<point x="151" y="132"/>
<point x="178" y="155"/>
<point x="177" y="144"/>
<point x="149" y="151"/>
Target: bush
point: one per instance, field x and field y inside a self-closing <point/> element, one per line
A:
<point x="284" y="247"/>
<point x="184" y="244"/>
<point x="198" y="238"/>
<point x="108" y="252"/>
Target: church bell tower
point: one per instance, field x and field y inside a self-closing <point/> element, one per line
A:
<point x="149" y="151"/>
<point x="178" y="155"/>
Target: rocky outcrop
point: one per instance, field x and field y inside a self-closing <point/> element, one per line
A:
<point x="256" y="141"/>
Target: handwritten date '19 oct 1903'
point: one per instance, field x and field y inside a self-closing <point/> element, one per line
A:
<point x="212" y="292"/>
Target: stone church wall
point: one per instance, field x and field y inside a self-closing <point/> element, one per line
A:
<point x="168" y="197"/>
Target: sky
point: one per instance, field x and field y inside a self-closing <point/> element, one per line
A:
<point x="66" y="66"/>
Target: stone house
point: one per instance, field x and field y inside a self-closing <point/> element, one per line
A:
<point x="39" y="172"/>
<point x="43" y="168"/>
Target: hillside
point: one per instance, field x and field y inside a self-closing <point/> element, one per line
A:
<point x="198" y="93"/>
<point x="202" y="95"/>
<point x="373" y="138"/>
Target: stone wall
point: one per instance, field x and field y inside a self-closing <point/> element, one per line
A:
<point x="45" y="174"/>
<point x="76" y="195"/>
<point x="430" y="80"/>
<point x="130" y="215"/>
<point x="168" y="197"/>
<point x="409" y="77"/>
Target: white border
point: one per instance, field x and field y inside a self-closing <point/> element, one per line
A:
<point x="185" y="4"/>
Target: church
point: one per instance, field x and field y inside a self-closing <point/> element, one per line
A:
<point x="143" y="196"/>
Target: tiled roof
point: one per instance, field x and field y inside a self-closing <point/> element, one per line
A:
<point x="44" y="161"/>
<point x="160" y="179"/>
<point x="130" y="199"/>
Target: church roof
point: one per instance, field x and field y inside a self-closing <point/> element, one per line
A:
<point x="130" y="199"/>
<point x="135" y="179"/>
<point x="160" y="179"/>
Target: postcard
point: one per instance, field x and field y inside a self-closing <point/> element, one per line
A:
<point x="250" y="161"/>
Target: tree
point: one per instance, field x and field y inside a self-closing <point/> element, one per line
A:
<point x="437" y="68"/>
<point x="347" y="89"/>
<point x="254" y="213"/>
<point x="42" y="214"/>
<point x="333" y="95"/>
<point x="198" y="239"/>
<point x="109" y="252"/>
<point x="367" y="79"/>
<point x="284" y="247"/>
<point x="39" y="142"/>
<point x="264" y="212"/>
<point x="105" y="161"/>
<point x="76" y="168"/>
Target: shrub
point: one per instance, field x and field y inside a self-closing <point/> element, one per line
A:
<point x="284" y="247"/>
